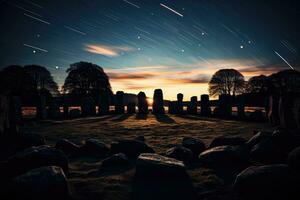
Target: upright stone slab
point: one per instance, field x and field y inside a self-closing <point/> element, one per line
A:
<point x="225" y="106"/>
<point x="192" y="107"/>
<point x="41" y="110"/>
<point x="142" y="103"/>
<point x="296" y="109"/>
<point x="66" y="111"/>
<point x="171" y="107"/>
<point x="273" y="114"/>
<point x="205" y="106"/>
<point x="17" y="107"/>
<point x="179" y="106"/>
<point x="158" y="102"/>
<point x="88" y="106"/>
<point x="104" y="101"/>
<point x="8" y="123"/>
<point x="131" y="108"/>
<point x="288" y="111"/>
<point x="54" y="110"/>
<point x="240" y="102"/>
<point x="119" y="104"/>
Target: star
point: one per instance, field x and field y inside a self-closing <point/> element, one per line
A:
<point x="241" y="46"/>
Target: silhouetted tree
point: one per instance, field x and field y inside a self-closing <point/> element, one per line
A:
<point x="15" y="81"/>
<point x="257" y="84"/>
<point x="284" y="81"/>
<point x="42" y="79"/>
<point x="226" y="81"/>
<point x="86" y="78"/>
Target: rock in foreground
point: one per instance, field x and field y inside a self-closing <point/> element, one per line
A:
<point x="267" y="182"/>
<point x="180" y="153"/>
<point x="46" y="183"/>
<point x="132" y="148"/>
<point x="195" y="145"/>
<point x="151" y="165"/>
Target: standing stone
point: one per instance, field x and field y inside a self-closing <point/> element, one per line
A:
<point x="142" y="103"/>
<point x="296" y="110"/>
<point x="7" y="117"/>
<point x="41" y="111"/>
<point x="287" y="117"/>
<point x="131" y="108"/>
<point x="240" y="101"/>
<point x="225" y="107"/>
<point x="205" y="106"/>
<point x="17" y="105"/>
<point x="179" y="105"/>
<point x="273" y="114"/>
<point x="192" y="107"/>
<point x="54" y="110"/>
<point x="171" y="107"/>
<point x="119" y="104"/>
<point x="88" y="107"/>
<point x="104" y="97"/>
<point x="158" y="102"/>
<point x="66" y="110"/>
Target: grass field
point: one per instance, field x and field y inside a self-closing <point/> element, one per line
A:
<point x="88" y="182"/>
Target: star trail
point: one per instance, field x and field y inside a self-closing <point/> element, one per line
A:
<point x="144" y="45"/>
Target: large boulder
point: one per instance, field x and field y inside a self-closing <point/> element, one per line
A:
<point x="180" y="153"/>
<point x="267" y="182"/>
<point x="93" y="147"/>
<point x="32" y="158"/>
<point x="294" y="159"/>
<point x="258" y="137"/>
<point x="227" y="140"/>
<point x="41" y="183"/>
<point x="132" y="148"/>
<point x="68" y="147"/>
<point x="223" y="156"/>
<point x="274" y="148"/>
<point x="195" y="145"/>
<point x="116" y="160"/>
<point x="153" y="166"/>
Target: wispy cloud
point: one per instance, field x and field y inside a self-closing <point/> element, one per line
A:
<point x="110" y="51"/>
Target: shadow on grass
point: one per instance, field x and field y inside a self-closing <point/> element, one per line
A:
<point x="122" y="118"/>
<point x="164" y="119"/>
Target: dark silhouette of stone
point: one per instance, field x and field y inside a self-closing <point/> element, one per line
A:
<point x="287" y="111"/>
<point x="116" y="160"/>
<point x="205" y="105"/>
<point x="104" y="101"/>
<point x="158" y="102"/>
<point x="27" y="140"/>
<point x="179" y="105"/>
<point x="257" y="116"/>
<point x="142" y="103"/>
<point x="258" y="137"/>
<point x="274" y="182"/>
<point x="227" y="140"/>
<point x="131" y="108"/>
<point x="152" y="166"/>
<point x="74" y="113"/>
<point x="66" y="111"/>
<point x="273" y="114"/>
<point x="225" y="106"/>
<point x="69" y="148"/>
<point x="5" y="116"/>
<point x="240" y="102"/>
<point x="132" y="148"/>
<point x="296" y="111"/>
<point x="192" y="107"/>
<point x="180" y="153"/>
<point x="42" y="183"/>
<point x="93" y="147"/>
<point x="172" y="107"/>
<point x="195" y="145"/>
<point x="35" y="157"/>
<point x="54" y="110"/>
<point x="119" y="104"/>
<point x="17" y="108"/>
<point x="41" y="111"/>
<point x="294" y="159"/>
<point x="88" y="106"/>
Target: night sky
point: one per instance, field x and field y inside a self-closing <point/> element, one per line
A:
<point x="175" y="45"/>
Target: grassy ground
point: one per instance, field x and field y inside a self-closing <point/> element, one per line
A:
<point x="88" y="182"/>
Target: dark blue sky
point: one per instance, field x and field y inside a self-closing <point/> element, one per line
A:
<point x="145" y="44"/>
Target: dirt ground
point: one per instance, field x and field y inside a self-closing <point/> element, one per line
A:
<point x="86" y="179"/>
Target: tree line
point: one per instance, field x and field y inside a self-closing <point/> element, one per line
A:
<point x="86" y="78"/>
